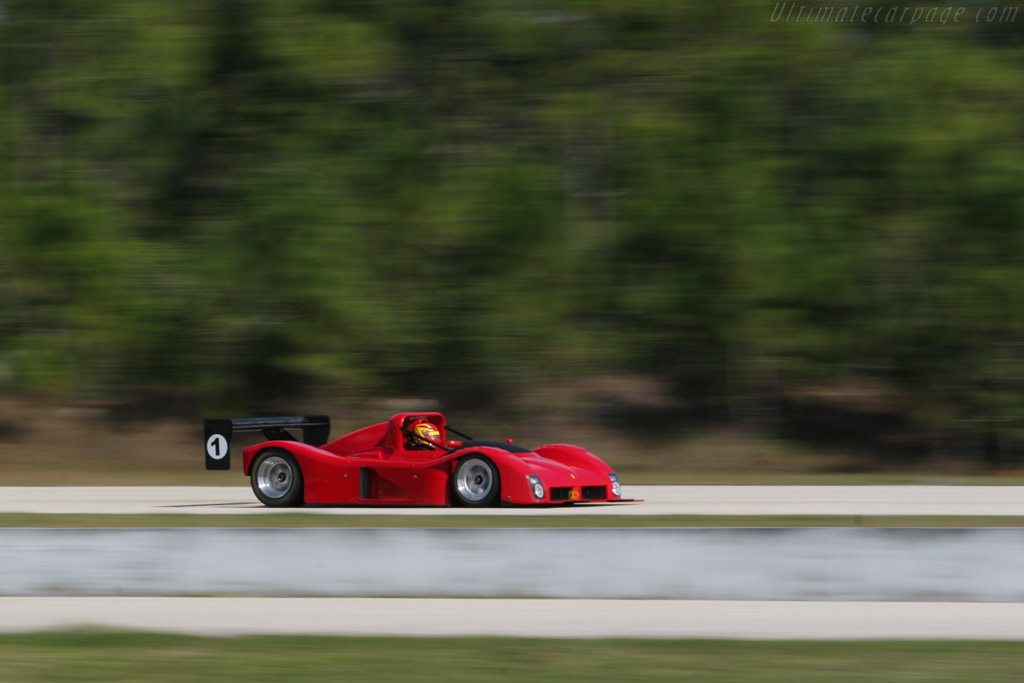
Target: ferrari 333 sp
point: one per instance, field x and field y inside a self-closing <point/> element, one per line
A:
<point x="409" y="460"/>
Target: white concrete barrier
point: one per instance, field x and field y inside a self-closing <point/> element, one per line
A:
<point x="974" y="565"/>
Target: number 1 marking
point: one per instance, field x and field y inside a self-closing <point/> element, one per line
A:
<point x="217" y="446"/>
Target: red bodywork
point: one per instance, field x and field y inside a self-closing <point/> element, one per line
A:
<point x="374" y="466"/>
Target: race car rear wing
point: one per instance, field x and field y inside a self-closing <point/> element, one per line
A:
<point x="315" y="430"/>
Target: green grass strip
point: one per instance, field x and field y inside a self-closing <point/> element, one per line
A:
<point x="119" y="656"/>
<point x="300" y="520"/>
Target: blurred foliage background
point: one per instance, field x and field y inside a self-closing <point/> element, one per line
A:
<point x="708" y="217"/>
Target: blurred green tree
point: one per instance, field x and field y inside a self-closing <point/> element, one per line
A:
<point x="224" y="202"/>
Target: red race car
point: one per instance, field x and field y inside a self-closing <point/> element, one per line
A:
<point x="408" y="460"/>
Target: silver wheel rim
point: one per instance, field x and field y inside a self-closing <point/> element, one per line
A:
<point x="274" y="477"/>
<point x="474" y="480"/>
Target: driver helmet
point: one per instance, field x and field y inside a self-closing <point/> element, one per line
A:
<point x="427" y="431"/>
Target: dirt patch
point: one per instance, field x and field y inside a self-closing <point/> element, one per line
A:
<point x="53" y="443"/>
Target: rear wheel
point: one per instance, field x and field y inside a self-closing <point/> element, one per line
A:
<point x="476" y="482"/>
<point x="276" y="478"/>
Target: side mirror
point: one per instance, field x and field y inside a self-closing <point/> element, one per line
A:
<point x="452" y="443"/>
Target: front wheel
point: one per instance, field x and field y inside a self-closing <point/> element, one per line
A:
<point x="476" y="482"/>
<point x="276" y="478"/>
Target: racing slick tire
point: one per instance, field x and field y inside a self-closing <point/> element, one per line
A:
<point x="475" y="482"/>
<point x="276" y="478"/>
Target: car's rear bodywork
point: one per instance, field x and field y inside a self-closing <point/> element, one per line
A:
<point x="382" y="465"/>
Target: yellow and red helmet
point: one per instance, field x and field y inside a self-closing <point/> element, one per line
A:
<point x="427" y="430"/>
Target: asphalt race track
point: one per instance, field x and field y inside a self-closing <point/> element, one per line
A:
<point x="657" y="500"/>
<point x="540" y="618"/>
<point x="585" y="618"/>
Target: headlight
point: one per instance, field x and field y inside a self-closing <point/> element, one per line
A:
<point x="536" y="486"/>
<point x="616" y="489"/>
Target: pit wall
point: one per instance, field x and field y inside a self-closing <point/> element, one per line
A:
<point x="683" y="563"/>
